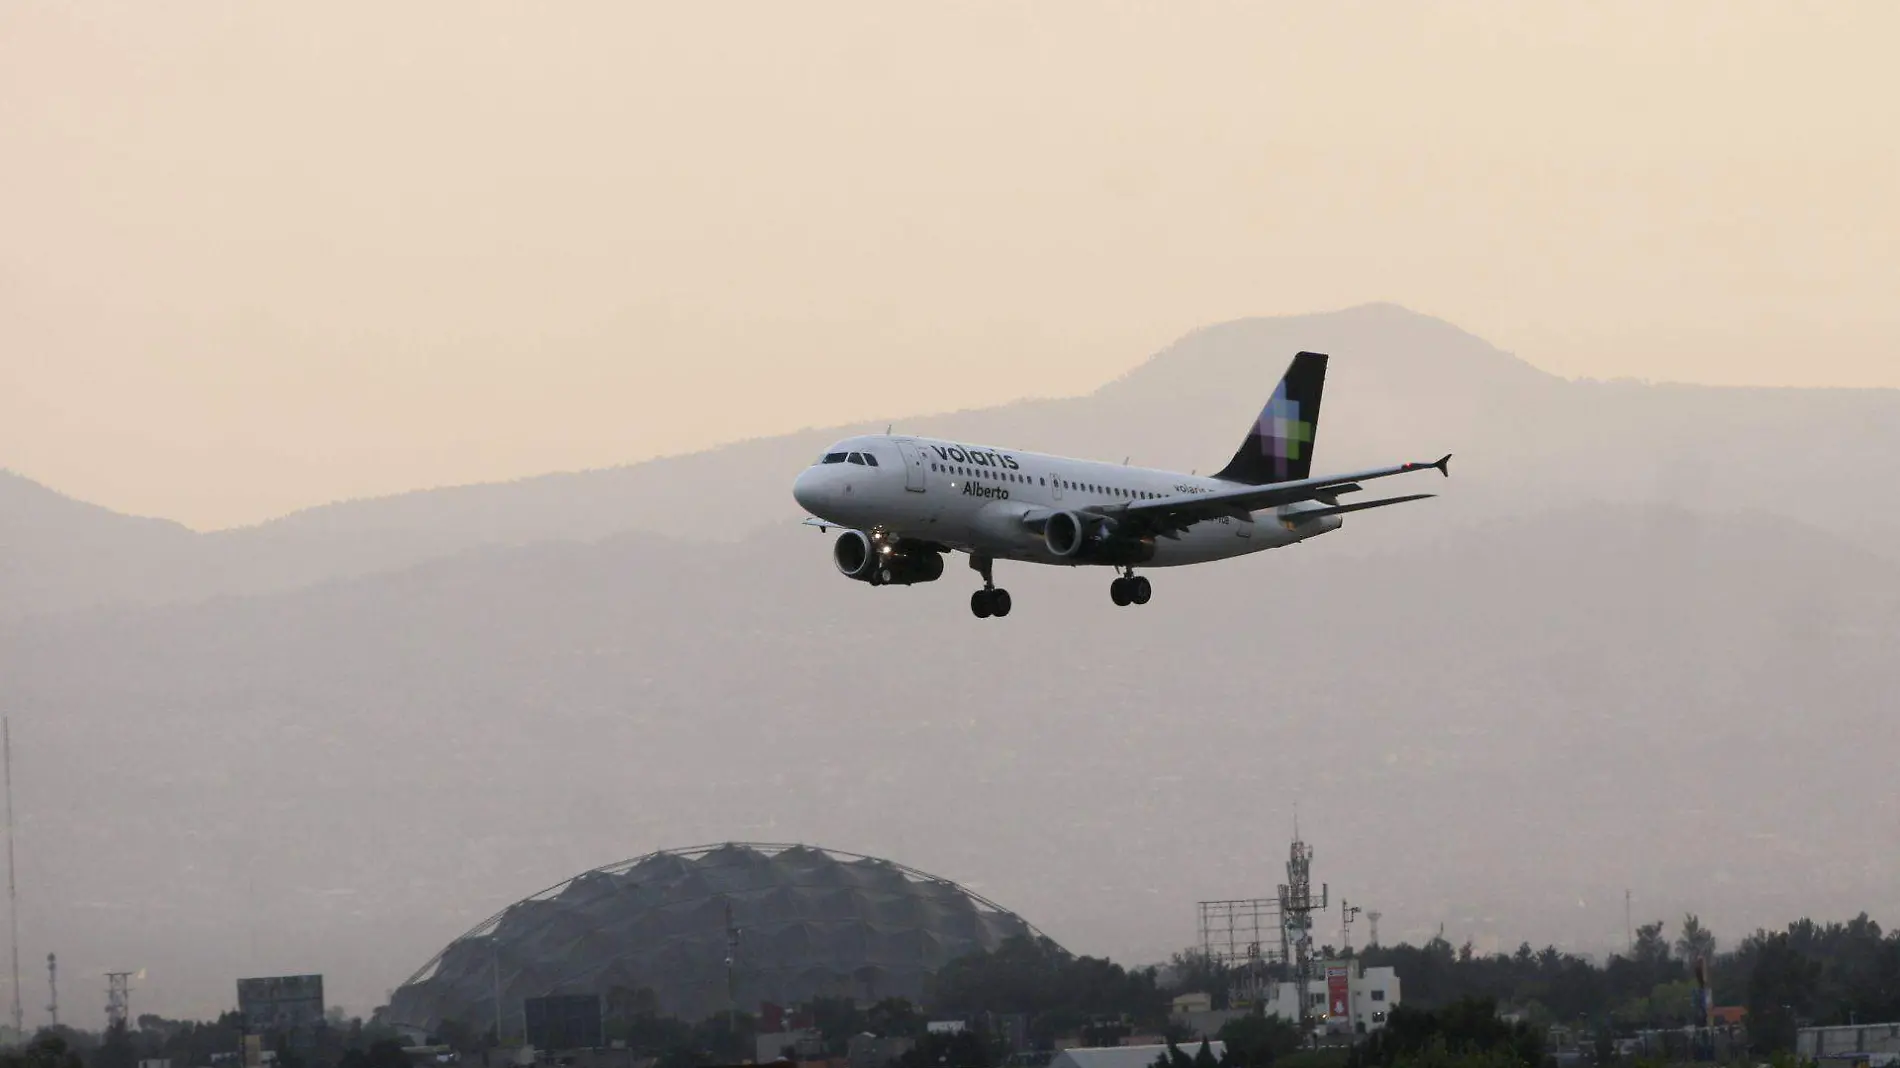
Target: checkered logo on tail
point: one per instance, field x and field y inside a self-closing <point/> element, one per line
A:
<point x="1283" y="435"/>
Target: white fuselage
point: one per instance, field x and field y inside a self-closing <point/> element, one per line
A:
<point x="975" y="498"/>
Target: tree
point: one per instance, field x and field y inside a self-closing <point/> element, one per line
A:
<point x="116" y="1050"/>
<point x="1696" y="942"/>
<point x="47" y="1050"/>
<point x="386" y="1053"/>
<point x="1258" y="1040"/>
<point x="1652" y="948"/>
<point x="1467" y="1028"/>
<point x="1780" y="991"/>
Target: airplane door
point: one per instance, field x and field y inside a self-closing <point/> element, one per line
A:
<point x="913" y="467"/>
<point x="1055" y="484"/>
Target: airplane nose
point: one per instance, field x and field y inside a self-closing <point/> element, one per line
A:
<point x="807" y="491"/>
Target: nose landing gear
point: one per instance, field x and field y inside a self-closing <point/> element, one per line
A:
<point x="990" y="600"/>
<point x="1129" y="589"/>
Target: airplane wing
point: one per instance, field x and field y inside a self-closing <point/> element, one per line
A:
<point x="1184" y="510"/>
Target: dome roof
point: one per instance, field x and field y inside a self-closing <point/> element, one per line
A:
<point x="809" y="922"/>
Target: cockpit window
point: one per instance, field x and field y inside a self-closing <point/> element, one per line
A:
<point x="833" y="458"/>
<point x="870" y="460"/>
<point x="856" y="458"/>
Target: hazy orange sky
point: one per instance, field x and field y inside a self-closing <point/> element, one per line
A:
<point x="255" y="257"/>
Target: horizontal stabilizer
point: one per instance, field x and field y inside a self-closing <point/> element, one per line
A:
<point x="1342" y="509"/>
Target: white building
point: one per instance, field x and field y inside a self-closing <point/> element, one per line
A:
<point x="1370" y="994"/>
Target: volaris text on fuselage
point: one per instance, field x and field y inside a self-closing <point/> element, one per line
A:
<point x="903" y="502"/>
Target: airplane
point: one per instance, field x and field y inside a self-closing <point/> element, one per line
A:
<point x="902" y="503"/>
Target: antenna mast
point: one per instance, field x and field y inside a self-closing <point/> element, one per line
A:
<point x="52" y="984"/>
<point x="118" y="998"/>
<point x="13" y="896"/>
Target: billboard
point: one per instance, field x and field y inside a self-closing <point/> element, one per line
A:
<point x="1338" y="1000"/>
<point x="288" y="1003"/>
<point x="564" y="1021"/>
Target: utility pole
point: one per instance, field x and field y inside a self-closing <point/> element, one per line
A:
<point x="732" y="981"/>
<point x="1629" y="932"/>
<point x="13" y="897"/>
<point x="1346" y="913"/>
<point x="494" y="950"/>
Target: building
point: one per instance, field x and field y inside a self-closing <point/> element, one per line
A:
<point x="1875" y="1042"/>
<point x="801" y="1045"/>
<point x="1365" y="996"/>
<point x="706" y="929"/>
<point x="1342" y="997"/>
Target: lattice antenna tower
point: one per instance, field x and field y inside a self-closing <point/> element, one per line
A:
<point x="118" y="998"/>
<point x="1297" y="905"/>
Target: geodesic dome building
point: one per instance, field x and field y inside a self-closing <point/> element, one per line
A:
<point x="796" y="921"/>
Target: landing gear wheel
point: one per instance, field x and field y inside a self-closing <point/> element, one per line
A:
<point x="1139" y="590"/>
<point x="1119" y="592"/>
<point x="999" y="603"/>
<point x="980" y="605"/>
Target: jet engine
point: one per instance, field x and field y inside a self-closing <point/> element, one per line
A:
<point x="1095" y="541"/>
<point x="881" y="561"/>
<point x="1065" y="534"/>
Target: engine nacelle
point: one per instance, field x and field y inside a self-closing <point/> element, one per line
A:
<point x="1073" y="536"/>
<point x="881" y="561"/>
<point x="1065" y="534"/>
<point x="854" y="554"/>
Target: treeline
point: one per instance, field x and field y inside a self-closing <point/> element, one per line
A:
<point x="336" y="1043"/>
<point x="1810" y="974"/>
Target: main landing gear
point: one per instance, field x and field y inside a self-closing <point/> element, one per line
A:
<point x="990" y="600"/>
<point x="1129" y="589"/>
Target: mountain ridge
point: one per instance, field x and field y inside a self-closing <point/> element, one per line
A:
<point x="1403" y="386"/>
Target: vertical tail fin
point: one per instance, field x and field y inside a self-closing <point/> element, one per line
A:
<point x="1279" y="447"/>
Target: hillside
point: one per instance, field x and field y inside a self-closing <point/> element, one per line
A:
<point x="1500" y="731"/>
<point x="1402" y="385"/>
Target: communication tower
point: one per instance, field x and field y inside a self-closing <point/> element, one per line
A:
<point x="1297" y="905"/>
<point x="1346" y="913"/>
<point x="52" y="986"/>
<point x="1373" y="916"/>
<point x="118" y="998"/>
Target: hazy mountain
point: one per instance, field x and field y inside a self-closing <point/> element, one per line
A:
<point x="1643" y="641"/>
<point x="1499" y="729"/>
<point x="1401" y="385"/>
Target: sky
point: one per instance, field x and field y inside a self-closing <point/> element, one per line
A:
<point x="258" y="258"/>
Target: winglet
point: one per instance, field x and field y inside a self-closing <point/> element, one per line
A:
<point x="1444" y="465"/>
